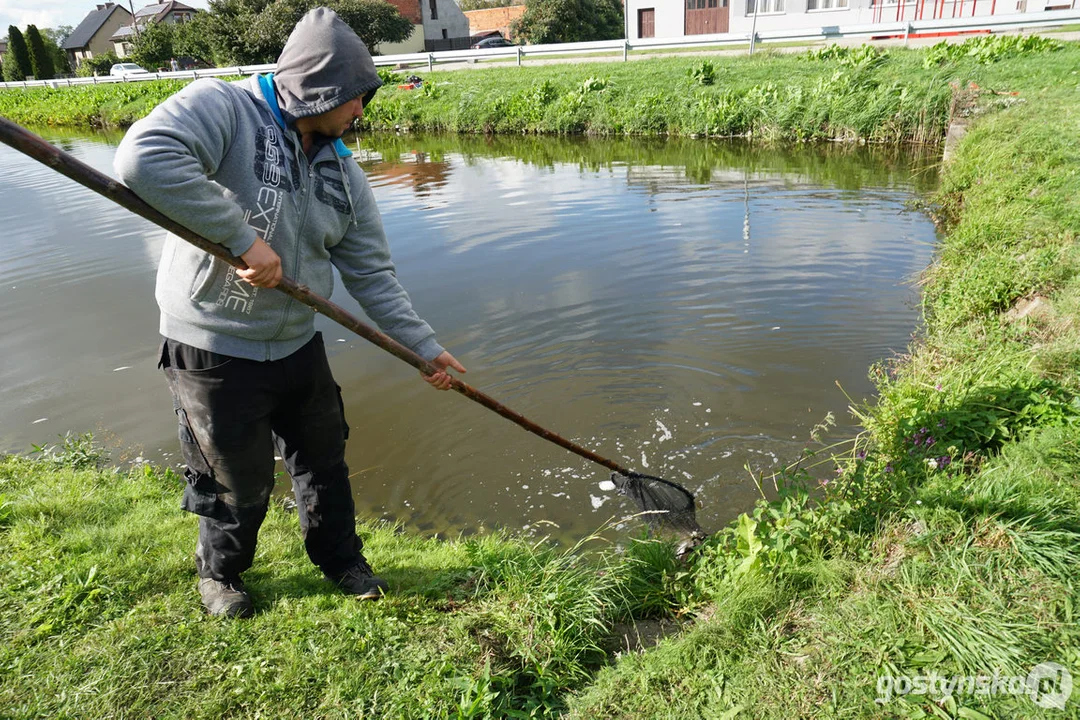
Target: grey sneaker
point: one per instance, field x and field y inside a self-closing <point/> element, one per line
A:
<point x="229" y="599"/>
<point x="360" y="581"/>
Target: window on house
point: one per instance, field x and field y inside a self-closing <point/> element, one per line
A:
<point x="700" y="4"/>
<point x="764" y="6"/>
<point x="444" y="35"/>
<point x="825" y="4"/>
<point x="434" y="10"/>
<point x="712" y="3"/>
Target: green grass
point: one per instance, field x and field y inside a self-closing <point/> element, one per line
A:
<point x="106" y="105"/>
<point x="99" y="616"/>
<point x="770" y="95"/>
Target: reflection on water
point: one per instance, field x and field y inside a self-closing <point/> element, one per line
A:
<point x="685" y="308"/>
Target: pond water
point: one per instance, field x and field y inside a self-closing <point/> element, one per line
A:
<point x="686" y="308"/>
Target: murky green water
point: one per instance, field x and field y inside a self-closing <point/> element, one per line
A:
<point x="686" y="308"/>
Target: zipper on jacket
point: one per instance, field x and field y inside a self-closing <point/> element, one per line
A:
<point x="305" y="202"/>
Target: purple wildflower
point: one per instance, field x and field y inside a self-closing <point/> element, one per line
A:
<point x="944" y="460"/>
<point x="861" y="455"/>
<point x="938" y="387"/>
<point x="888" y="468"/>
<point x="929" y="440"/>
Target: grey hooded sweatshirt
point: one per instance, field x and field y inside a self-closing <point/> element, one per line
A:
<point x="224" y="160"/>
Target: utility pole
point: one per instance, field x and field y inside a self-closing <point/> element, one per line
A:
<point x="134" y="22"/>
<point x="753" y="24"/>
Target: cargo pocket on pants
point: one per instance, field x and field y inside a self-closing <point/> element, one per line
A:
<point x="201" y="492"/>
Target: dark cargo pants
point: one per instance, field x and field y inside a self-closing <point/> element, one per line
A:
<point x="233" y="413"/>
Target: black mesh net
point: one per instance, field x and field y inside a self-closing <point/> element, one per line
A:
<point x="664" y="505"/>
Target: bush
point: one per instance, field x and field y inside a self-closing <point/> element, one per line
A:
<point x="97" y="65"/>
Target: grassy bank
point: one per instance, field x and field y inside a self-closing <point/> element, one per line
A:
<point x="113" y="105"/>
<point x="890" y="99"/>
<point x="864" y="93"/>
<point x="946" y="544"/>
<point x="99" y="618"/>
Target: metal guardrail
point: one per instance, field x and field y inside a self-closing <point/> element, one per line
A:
<point x="1017" y="21"/>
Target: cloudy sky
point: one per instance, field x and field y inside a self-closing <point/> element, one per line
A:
<point x="53" y="13"/>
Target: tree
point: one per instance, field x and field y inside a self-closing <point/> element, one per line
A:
<point x="555" y="21"/>
<point x="194" y="39"/>
<point x="54" y="39"/>
<point x="375" y="21"/>
<point x="255" y="31"/>
<point x="153" y="47"/>
<point x="41" y="62"/>
<point x="97" y="65"/>
<point x="17" y="58"/>
<point x="485" y="4"/>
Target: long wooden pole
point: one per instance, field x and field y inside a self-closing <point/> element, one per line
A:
<point x="36" y="147"/>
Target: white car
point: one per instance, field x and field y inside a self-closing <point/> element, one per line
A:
<point x="125" y="69"/>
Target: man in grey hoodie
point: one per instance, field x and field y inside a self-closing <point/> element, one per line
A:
<point x="259" y="166"/>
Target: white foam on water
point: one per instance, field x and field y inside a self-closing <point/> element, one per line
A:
<point x="666" y="434"/>
<point x="606" y="485"/>
<point x="39" y="420"/>
<point x="597" y="501"/>
<point x="644" y="460"/>
<point x="122" y="367"/>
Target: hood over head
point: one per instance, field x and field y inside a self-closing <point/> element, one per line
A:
<point x="324" y="65"/>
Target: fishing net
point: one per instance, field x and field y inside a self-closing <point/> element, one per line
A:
<point x="664" y="505"/>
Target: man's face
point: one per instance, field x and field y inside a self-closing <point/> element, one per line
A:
<point x="333" y="123"/>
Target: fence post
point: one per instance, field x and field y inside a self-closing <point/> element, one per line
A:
<point x="519" y="55"/>
<point x="625" y="50"/>
<point x="907" y="32"/>
<point x="430" y="61"/>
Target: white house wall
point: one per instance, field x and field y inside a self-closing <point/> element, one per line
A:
<point x="414" y="44"/>
<point x="669" y="17"/>
<point x="797" y="17"/>
<point x="670" y="14"/>
<point x="450" y="18"/>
